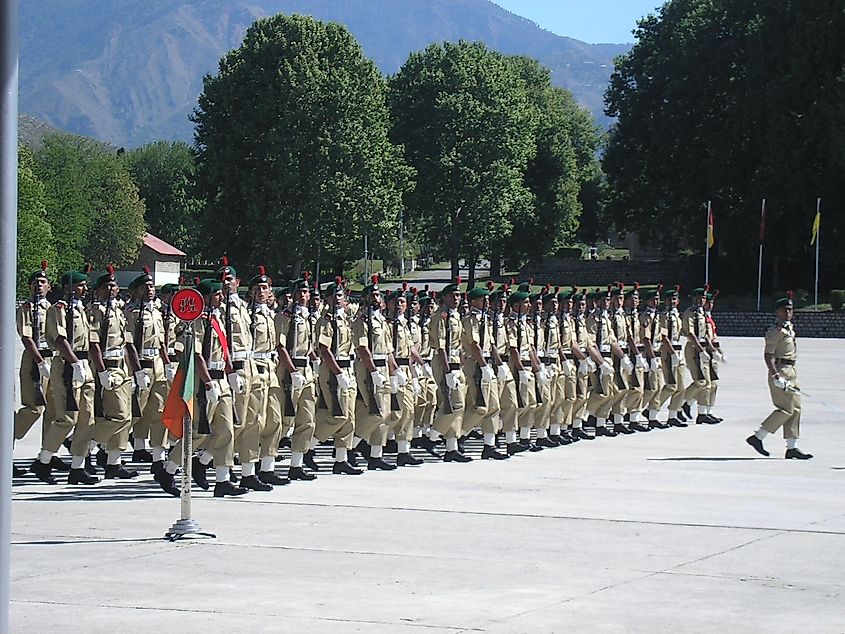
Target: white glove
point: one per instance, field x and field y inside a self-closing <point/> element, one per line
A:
<point x="79" y="373"/>
<point x="566" y="366"/>
<point x="704" y="357"/>
<point x="606" y="369"/>
<point x="106" y="380"/>
<point x="142" y="380"/>
<point x="297" y="380"/>
<point x="427" y="369"/>
<point x="487" y="374"/>
<point x="401" y="377"/>
<point x="212" y="393"/>
<point x="780" y="382"/>
<point x="378" y="378"/>
<point x="584" y="367"/>
<point x="415" y="385"/>
<point x="655" y="364"/>
<point x="720" y="356"/>
<point x="394" y="384"/>
<point x="344" y="382"/>
<point x="170" y="371"/>
<point x="641" y="363"/>
<point x="625" y="364"/>
<point x="452" y="380"/>
<point x="524" y="377"/>
<point x="591" y="365"/>
<point x="543" y="377"/>
<point x="44" y="369"/>
<point x="676" y="360"/>
<point x="315" y="365"/>
<point x="503" y="372"/>
<point x="236" y="382"/>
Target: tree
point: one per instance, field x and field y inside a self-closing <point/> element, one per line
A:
<point x="35" y="236"/>
<point x="294" y="160"/>
<point x="463" y="116"/>
<point x="732" y="102"/>
<point x="164" y="174"/>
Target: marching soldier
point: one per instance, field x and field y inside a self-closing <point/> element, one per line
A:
<point x="715" y="352"/>
<point x="500" y="352"/>
<point x="672" y="362"/>
<point x="583" y="348"/>
<point x="68" y="335"/>
<point x="482" y="399"/>
<point x="567" y="380"/>
<point x="337" y="380"/>
<point x="107" y="356"/>
<point x="548" y="355"/>
<point x="151" y="369"/>
<point x="521" y="366"/>
<point x="427" y="398"/>
<point x="622" y="366"/>
<point x="36" y="397"/>
<point x="694" y="328"/>
<point x="636" y="348"/>
<point x="295" y="345"/>
<point x="651" y="335"/>
<point x="780" y="355"/>
<point x="445" y="340"/>
<point x="605" y="386"/>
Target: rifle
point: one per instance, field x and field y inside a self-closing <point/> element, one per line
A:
<point x="482" y="331"/>
<point x="617" y="362"/>
<point x="647" y="373"/>
<point x="67" y="369"/>
<point x="139" y="345"/>
<point x="697" y="331"/>
<point x="368" y="380"/>
<point x="35" y="373"/>
<point x="394" y="398"/>
<point x="520" y="402"/>
<point x="337" y="410"/>
<point x="577" y="321"/>
<point x="290" y="344"/>
<point x="229" y="343"/>
<point x="632" y="349"/>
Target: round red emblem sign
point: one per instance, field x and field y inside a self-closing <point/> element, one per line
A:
<point x="187" y="304"/>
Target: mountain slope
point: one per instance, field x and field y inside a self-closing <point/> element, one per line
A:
<point x="129" y="71"/>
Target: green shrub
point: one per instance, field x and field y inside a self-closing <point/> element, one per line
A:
<point x="837" y="299"/>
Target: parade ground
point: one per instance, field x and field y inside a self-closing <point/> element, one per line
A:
<point x="679" y="530"/>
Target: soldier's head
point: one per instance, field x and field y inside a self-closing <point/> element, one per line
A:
<point x="672" y="297"/>
<point x="519" y="302"/>
<point x="617" y="296"/>
<point x="413" y="301"/>
<point x="167" y="291"/>
<point x="143" y="287"/>
<point x="212" y="292"/>
<point x="106" y="285"/>
<point x="301" y="291"/>
<point x="710" y="300"/>
<point x="75" y="282"/>
<point x="451" y="294"/>
<point x="39" y="284"/>
<point x="632" y="297"/>
<point x="604" y="299"/>
<point x="479" y="298"/>
<point x="228" y="275"/>
<point x="579" y="303"/>
<point x="652" y="297"/>
<point x="335" y="294"/>
<point x="550" y="300"/>
<point x="398" y="303"/>
<point x="259" y="287"/>
<point x="698" y="297"/>
<point x="784" y="307"/>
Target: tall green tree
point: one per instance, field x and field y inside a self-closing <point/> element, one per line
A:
<point x="164" y="173"/>
<point x="35" y="235"/>
<point x="732" y="102"/>
<point x="294" y="160"/>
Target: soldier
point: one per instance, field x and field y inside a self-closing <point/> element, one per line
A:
<point x="68" y="334"/>
<point x="672" y="362"/>
<point x="295" y="345"/>
<point x="651" y="335"/>
<point x="213" y="422"/>
<point x="482" y="399"/>
<point x="500" y="353"/>
<point x="694" y="328"/>
<point x="113" y="396"/>
<point x="584" y="350"/>
<point x="780" y="355"/>
<point x="427" y="399"/>
<point x="548" y="355"/>
<point x="152" y="370"/>
<point x="445" y="340"/>
<point x="624" y="371"/>
<point x="600" y="326"/>
<point x="373" y="365"/>
<point x="715" y="352"/>
<point x="567" y="377"/>
<point x="36" y="397"/>
<point x="337" y="381"/>
<point x="636" y="348"/>
<point x="521" y="366"/>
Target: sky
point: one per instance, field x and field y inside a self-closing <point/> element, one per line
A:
<point x="594" y="21"/>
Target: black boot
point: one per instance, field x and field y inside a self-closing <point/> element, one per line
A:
<point x="156" y="466"/>
<point x="703" y="419"/>
<point x="391" y="446"/>
<point x="515" y="448"/>
<point x="546" y="442"/>
<point x="119" y="472"/>
<point x="674" y="422"/>
<point x="43" y="472"/>
<point x="656" y="424"/>
<point x="490" y="453"/>
<point x="253" y="484"/>
<point x="167" y="482"/>
<point x="298" y="473"/>
<point x="687" y="410"/>
<point x="378" y="464"/>
<point x="797" y="454"/>
<point x="224" y="488"/>
<point x="102" y="457"/>
<point x="198" y="473"/>
<point x="310" y="462"/>
<point x="407" y="460"/>
<point x="344" y="468"/>
<point x="758" y="445"/>
<point x="90" y="467"/>
<point x="270" y="477"/>
<point x="424" y="442"/>
<point x="455" y="456"/>
<point x="141" y="455"/>
<point x="58" y="464"/>
<point x="81" y="476"/>
<point x="637" y="427"/>
<point x="604" y="431"/>
<point x="580" y="434"/>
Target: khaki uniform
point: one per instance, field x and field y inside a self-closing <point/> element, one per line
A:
<point x="673" y="363"/>
<point x="36" y="398"/>
<point x="508" y="402"/>
<point x="780" y="343"/>
<point x="261" y="427"/>
<point x="427" y="399"/>
<point x="694" y="326"/>
<point x="148" y="339"/>
<point x="605" y="390"/>
<point x="547" y="348"/>
<point x="293" y="332"/>
<point x="237" y="325"/>
<point x="334" y="331"/>
<point x="64" y="421"/>
<point x="583" y="385"/>
<point x="710" y="399"/>
<point x="567" y="376"/>
<point x="371" y="416"/>
<point x="519" y="338"/>
<point x="634" y="398"/>
<point x="623" y="378"/>
<point x="653" y="380"/>
<point x="477" y="329"/>
<point x="108" y="329"/>
<point x="445" y="334"/>
<point x="401" y="421"/>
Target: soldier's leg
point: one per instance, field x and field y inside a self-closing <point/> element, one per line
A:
<point x="112" y="430"/>
<point x="33" y="401"/>
<point x="543" y="410"/>
<point x="221" y="442"/>
<point x="303" y="423"/>
<point x="270" y="435"/>
<point x="248" y="441"/>
<point x="508" y="411"/>
<point x="475" y="410"/>
<point x="635" y="397"/>
<point x="140" y="425"/>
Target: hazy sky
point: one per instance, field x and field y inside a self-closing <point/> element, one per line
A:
<point x="588" y="20"/>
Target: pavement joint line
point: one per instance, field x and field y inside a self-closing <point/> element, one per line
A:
<point x="611" y="520"/>
<point x="287" y="615"/>
<point x="744" y="578"/>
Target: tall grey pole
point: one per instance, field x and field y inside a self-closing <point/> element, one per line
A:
<point x="8" y="246"/>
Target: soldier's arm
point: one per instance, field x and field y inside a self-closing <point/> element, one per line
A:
<point x="129" y="338"/>
<point x="324" y="342"/>
<point x="25" y="331"/>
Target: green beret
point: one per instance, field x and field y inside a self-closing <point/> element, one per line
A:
<point x="209" y="286"/>
<point x="784" y="302"/>
<point x="525" y="287"/>
<point x="616" y="291"/>
<point x="711" y="295"/>
<point x="634" y="291"/>
<point x="335" y="289"/>
<point x="261" y="278"/>
<point x="73" y="278"/>
<point x="477" y="293"/>
<point x="104" y="279"/>
<point x="497" y="295"/>
<point x="281" y="290"/>
<point x="169" y="289"/>
<point x="517" y="297"/>
<point x="226" y="269"/>
<point x="39" y="275"/>
<point x="578" y="296"/>
<point x="141" y="279"/>
<point x="411" y="296"/>
<point x="533" y="297"/>
<point x="670" y="294"/>
<point x="652" y="293"/>
<point x="698" y="292"/>
<point x="298" y="284"/>
<point x="452" y="287"/>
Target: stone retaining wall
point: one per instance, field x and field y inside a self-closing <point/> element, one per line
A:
<point x="742" y="324"/>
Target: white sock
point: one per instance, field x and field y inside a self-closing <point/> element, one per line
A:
<point x="403" y="446"/>
<point x="391" y="435"/>
<point x="340" y="454"/>
<point x="267" y="463"/>
<point x="634" y="417"/>
<point x="296" y="459"/>
<point x="375" y="451"/>
<point x="113" y="457"/>
<point x="355" y="441"/>
<point x="524" y="433"/>
<point x="576" y="424"/>
<point x="451" y="444"/>
<point x="313" y="444"/>
<point x="433" y="434"/>
<point x="761" y="433"/>
<point x="510" y="437"/>
<point x="417" y="432"/>
<point x="792" y="443"/>
<point x="248" y="469"/>
<point x="77" y="462"/>
<point x="692" y="404"/>
<point x="673" y="413"/>
<point x="654" y="413"/>
<point x="44" y="457"/>
<point x="171" y="467"/>
<point x="555" y="431"/>
<point x="490" y="440"/>
<point x="618" y="419"/>
<point x="158" y="454"/>
<point x="221" y="474"/>
<point x="92" y="447"/>
<point x="542" y="433"/>
<point x="205" y="458"/>
<point x="139" y="443"/>
<point x="601" y="422"/>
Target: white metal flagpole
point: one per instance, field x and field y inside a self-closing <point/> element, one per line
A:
<point x="818" y="240"/>
<point x="760" y="259"/>
<point x="707" y="246"/>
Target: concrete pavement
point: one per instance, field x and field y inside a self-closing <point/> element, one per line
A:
<point x="683" y="529"/>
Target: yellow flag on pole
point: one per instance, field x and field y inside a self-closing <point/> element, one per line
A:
<point x="816" y="223"/>
<point x="711" y="230"/>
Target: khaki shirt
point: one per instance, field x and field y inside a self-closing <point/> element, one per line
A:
<point x="207" y="343"/>
<point x="518" y="335"/>
<point x="551" y="337"/>
<point x="401" y="344"/>
<point x="116" y="333"/>
<point x="424" y="346"/>
<point x="239" y="316"/>
<point x="499" y="333"/>
<point x="780" y="341"/>
<point x="336" y="326"/>
<point x="56" y="326"/>
<point x="670" y="323"/>
<point x="294" y="332"/>
<point x="600" y="329"/>
<point x="24" y="321"/>
<point x="437" y="334"/>
<point x="693" y="323"/>
<point x="472" y="326"/>
<point x="581" y="333"/>
<point x="566" y="332"/>
<point x="619" y="326"/>
<point x="650" y="328"/>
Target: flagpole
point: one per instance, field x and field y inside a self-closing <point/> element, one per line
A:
<point x="707" y="247"/>
<point x="760" y="259"/>
<point x="818" y="240"/>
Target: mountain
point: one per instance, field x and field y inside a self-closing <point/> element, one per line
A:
<point x="32" y="131"/>
<point x="129" y="71"/>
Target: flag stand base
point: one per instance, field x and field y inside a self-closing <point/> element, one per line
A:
<point x="186" y="528"/>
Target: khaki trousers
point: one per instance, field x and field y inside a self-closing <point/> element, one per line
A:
<point x="700" y="386"/>
<point x="485" y="416"/>
<point x="448" y="424"/>
<point x="371" y="427"/>
<point x="112" y="429"/>
<point x="341" y="428"/>
<point x="31" y="401"/>
<point x="64" y="421"/>
<point x="250" y="426"/>
<point x="151" y="403"/>
<point x="787" y="412"/>
<point x="673" y="383"/>
<point x="508" y="405"/>
<point x="301" y="419"/>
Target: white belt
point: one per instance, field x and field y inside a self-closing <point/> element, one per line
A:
<point x="149" y="352"/>
<point x="264" y="356"/>
<point x="702" y="340"/>
<point x="43" y="345"/>
<point x="216" y="365"/>
<point x="306" y="357"/>
<point x="605" y="347"/>
<point x="623" y="344"/>
<point x="379" y="357"/>
<point x="241" y="355"/>
<point x="171" y="352"/>
<point x="116" y="353"/>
